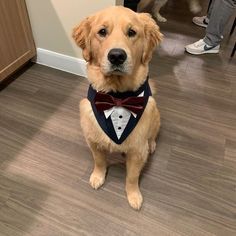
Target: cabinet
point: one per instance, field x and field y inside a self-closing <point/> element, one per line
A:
<point x="16" y="40"/>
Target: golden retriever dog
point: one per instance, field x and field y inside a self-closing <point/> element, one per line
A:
<point x="156" y="5"/>
<point x="117" y="44"/>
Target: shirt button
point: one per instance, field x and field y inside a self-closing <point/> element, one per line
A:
<point x="120" y="117"/>
<point x="119" y="128"/>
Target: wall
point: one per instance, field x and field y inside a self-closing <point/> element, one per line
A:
<point x="120" y="2"/>
<point x="52" y="22"/>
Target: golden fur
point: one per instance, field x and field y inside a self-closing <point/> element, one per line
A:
<point x="139" y="48"/>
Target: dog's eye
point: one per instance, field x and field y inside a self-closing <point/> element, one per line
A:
<point x="131" y="33"/>
<point x="102" y="32"/>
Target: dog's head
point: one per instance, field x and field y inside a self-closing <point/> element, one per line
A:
<point x="117" y="42"/>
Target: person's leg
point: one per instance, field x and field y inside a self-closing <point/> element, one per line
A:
<point x="221" y="12"/>
<point x="219" y="16"/>
<point x="210" y="9"/>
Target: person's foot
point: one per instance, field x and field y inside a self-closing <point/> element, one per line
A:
<point x="200" y="47"/>
<point x="201" y="21"/>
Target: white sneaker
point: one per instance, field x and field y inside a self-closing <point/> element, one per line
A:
<point x="201" y="21"/>
<point x="200" y="47"/>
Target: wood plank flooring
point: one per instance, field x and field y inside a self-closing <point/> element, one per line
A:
<point x="189" y="184"/>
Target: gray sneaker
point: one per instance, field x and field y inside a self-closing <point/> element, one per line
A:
<point x="201" y="21"/>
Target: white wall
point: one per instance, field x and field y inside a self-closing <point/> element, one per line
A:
<point x="52" y="22"/>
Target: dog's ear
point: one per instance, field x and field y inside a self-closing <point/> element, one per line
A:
<point x="81" y="36"/>
<point x="153" y="36"/>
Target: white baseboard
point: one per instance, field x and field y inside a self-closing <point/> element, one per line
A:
<point x="61" y="62"/>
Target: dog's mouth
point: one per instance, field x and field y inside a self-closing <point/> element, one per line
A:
<point x="117" y="70"/>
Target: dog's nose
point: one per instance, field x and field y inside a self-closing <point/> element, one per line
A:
<point x="117" y="56"/>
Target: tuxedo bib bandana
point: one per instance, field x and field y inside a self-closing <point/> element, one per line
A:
<point x="119" y="113"/>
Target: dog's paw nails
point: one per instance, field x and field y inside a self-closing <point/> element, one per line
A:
<point x="135" y="200"/>
<point x="96" y="180"/>
<point x="152" y="147"/>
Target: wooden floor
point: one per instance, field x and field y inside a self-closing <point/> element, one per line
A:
<point x="189" y="184"/>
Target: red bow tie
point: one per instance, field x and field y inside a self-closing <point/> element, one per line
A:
<point x="105" y="101"/>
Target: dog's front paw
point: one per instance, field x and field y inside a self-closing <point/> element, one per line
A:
<point x="152" y="147"/>
<point x="97" y="180"/>
<point x="135" y="200"/>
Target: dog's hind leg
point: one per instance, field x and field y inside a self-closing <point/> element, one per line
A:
<point x="156" y="10"/>
<point x="134" y="164"/>
<point x="97" y="178"/>
<point x="144" y="4"/>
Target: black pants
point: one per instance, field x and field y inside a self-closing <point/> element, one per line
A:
<point x="132" y="4"/>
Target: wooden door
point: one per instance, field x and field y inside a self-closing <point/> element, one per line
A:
<point x="16" y="40"/>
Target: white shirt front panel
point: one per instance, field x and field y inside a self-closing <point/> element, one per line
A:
<point x="120" y="118"/>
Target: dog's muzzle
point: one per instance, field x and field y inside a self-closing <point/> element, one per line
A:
<point x="117" y="62"/>
<point x="117" y="56"/>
